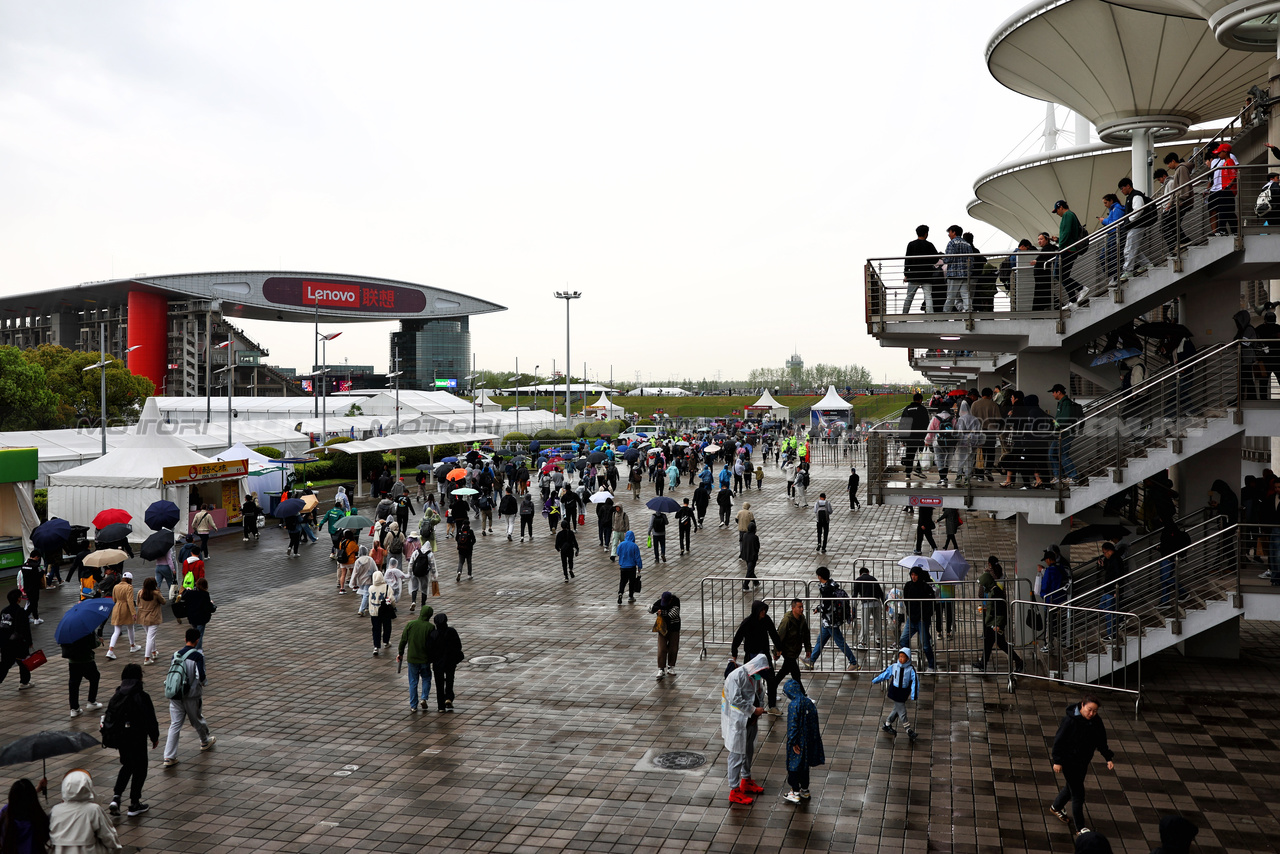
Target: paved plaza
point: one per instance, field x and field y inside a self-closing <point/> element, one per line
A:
<point x="558" y="715"/>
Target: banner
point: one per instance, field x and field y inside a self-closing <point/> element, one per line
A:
<point x="231" y="501"/>
<point x="213" y="470"/>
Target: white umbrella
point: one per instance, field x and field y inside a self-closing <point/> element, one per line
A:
<point x="601" y="497"/>
<point x="711" y="449"/>
<point x="926" y="563"/>
<point x="953" y="563"/>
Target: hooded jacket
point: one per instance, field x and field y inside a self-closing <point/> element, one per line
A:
<point x="364" y="569"/>
<point x="414" y="638"/>
<point x="379" y="594"/>
<point x="1176" y="835"/>
<point x="444" y="647"/>
<point x="1228" y="503"/>
<point x="79" y="825"/>
<point x="901" y="676"/>
<point x="968" y="426"/>
<point x="1245" y="332"/>
<point x="138" y="710"/>
<point x="1092" y="842"/>
<point x="755" y="632"/>
<point x="628" y="552"/>
<point x="743" y="693"/>
<point x="802" y="729"/>
<point x="794" y="633"/>
<point x="1078" y="738"/>
<point x="749" y="549"/>
<point x="620" y="522"/>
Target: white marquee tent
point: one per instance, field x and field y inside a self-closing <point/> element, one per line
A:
<point x="767" y="407"/>
<point x="606" y="406"/>
<point x="273" y="473"/>
<point x="831" y="408"/>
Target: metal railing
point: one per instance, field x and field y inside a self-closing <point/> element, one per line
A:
<point x="724" y="604"/>
<point x="1048" y="281"/>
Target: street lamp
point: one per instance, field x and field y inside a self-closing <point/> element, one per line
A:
<point x="395" y="375"/>
<point x="318" y="376"/>
<point x="102" y="363"/>
<point x="535" y="386"/>
<point x="324" y="359"/>
<point x="567" y="296"/>
<point x="516" y="378"/>
<point x="230" y="378"/>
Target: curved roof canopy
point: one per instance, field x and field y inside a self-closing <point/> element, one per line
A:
<point x="1239" y="24"/>
<point x="1122" y="68"/>
<point x="1015" y="197"/>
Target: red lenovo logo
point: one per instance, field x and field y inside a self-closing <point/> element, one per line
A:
<point x="328" y="293"/>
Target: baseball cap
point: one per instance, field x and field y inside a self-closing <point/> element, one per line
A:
<point x="1058" y="387"/>
<point x="128" y="576"/>
<point x="1060" y="203"/>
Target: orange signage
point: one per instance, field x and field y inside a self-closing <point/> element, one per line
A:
<point x="213" y="470"/>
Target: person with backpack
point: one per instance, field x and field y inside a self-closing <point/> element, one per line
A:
<point x="184" y="688"/>
<point x="444" y="650"/>
<point x="685" y="519"/>
<point x="129" y="723"/>
<point x="793" y="632"/>
<point x="822" y="512"/>
<point x="526" y="516"/>
<point x="484" y="503"/>
<point x="903" y="686"/>
<point x="508" y="507"/>
<point x="570" y="501"/>
<point x="382" y="610"/>
<point x="15" y="639"/>
<point x="941" y="436"/>
<point x="567" y="545"/>
<point x="835" y="610"/>
<point x="348" y="551"/>
<point x="802" y="483"/>
<point x="414" y="645"/>
<point x="658" y="535"/>
<point x="466" y="545"/>
<point x="1135" y="260"/>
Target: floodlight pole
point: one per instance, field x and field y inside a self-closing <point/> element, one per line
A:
<point x="102" y="394"/>
<point x="567" y="296"/>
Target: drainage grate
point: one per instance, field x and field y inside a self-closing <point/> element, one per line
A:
<point x="680" y="760"/>
<point x="488" y="659"/>
<point x="511" y="593"/>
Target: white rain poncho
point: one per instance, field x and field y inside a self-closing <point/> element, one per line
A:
<point x="742" y="695"/>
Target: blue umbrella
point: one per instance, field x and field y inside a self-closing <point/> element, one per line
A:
<point x="448" y="459"/>
<point x="51" y="535"/>
<point x="162" y="514"/>
<point x="83" y="619"/>
<point x="954" y="565"/>
<point x="289" y="507"/>
<point x="662" y="504"/>
<point x="1114" y="356"/>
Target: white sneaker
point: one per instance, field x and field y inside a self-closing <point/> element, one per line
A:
<point x="660" y="674"/>
<point x="111" y="654"/>
<point x="671" y="671"/>
<point x="92" y="707"/>
<point x="791" y="796"/>
<point x="136" y="648"/>
<point x="37" y="621"/>
<point x="75" y="713"/>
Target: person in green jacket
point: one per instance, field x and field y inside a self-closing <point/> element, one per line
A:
<point x="414" y="637"/>
<point x="331" y="518"/>
<point x="793" y="632"/>
<point x="1070" y="232"/>
<point x="1066" y="414"/>
<point x="995" y="616"/>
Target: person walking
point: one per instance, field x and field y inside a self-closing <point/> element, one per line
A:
<point x="1080" y="734"/>
<point x="995" y="616"/>
<point x="202" y="523"/>
<point x="793" y="631"/>
<point x="658" y="535"/>
<point x="741" y="705"/>
<point x="822" y="512"/>
<point x="509" y="509"/>
<point x="382" y="611"/>
<point x="804" y="741"/>
<point x="29" y="580"/>
<point x="167" y="570"/>
<point x="78" y="824"/>
<point x="802" y="484"/>
<point x="620" y="525"/>
<point x="854" y="481"/>
<point x="149" y="616"/>
<point x="361" y="577"/>
<point x="567" y="546"/>
<point x="15" y="640"/>
<point x="667" y="627"/>
<point x="684" y="527"/>
<point x="348" y="551"/>
<point x="903" y="686"/>
<point x="834" y="610"/>
<point x="466" y="545"/>
<point x="199" y="607"/>
<point x="526" y="516"/>
<point x="724" y="501"/>
<point x="414" y="639"/>
<point x="749" y="551"/>
<point x="123" y="614"/>
<point x="630" y="562"/>
<point x="330" y="520"/>
<point x="917" y="595"/>
<point x="81" y="666"/>
<point x="129" y="723"/>
<point x="293" y="527"/>
<point x="744" y="518"/>
<point x="951" y="523"/>
<point x="187" y="700"/>
<point x="444" y="648"/>
<point x="924" y="529"/>
<point x="756" y="634"/>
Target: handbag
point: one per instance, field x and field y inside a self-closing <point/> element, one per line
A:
<point x="388" y="611"/>
<point x="659" y="625"/>
<point x="435" y="587"/>
<point x="582" y="518"/>
<point x="1035" y="620"/>
<point x="635" y="584"/>
<point x="648" y="541"/>
<point x="34" y="660"/>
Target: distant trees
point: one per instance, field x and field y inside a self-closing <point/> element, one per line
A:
<point x="48" y="388"/>
<point x="813" y="376"/>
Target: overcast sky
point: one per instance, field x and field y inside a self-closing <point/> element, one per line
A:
<point x="711" y="176"/>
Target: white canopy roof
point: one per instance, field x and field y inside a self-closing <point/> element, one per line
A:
<point x="605" y="404"/>
<point x="136" y="463"/>
<point x="409" y="440"/>
<point x="831" y="401"/>
<point x="658" y="391"/>
<point x="766" y="401"/>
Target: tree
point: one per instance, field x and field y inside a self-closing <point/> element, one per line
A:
<point x="78" y="390"/>
<point x="26" y="400"/>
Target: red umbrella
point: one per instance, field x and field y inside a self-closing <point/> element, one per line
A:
<point x="457" y="474"/>
<point x="549" y="468"/>
<point x="110" y="517"/>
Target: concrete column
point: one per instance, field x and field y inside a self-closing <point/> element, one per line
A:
<point x="988" y="379"/>
<point x="1193" y="477"/>
<point x="1038" y="372"/>
<point x="1208" y="315"/>
<point x="1032" y="541"/>
<point x="1139" y="171"/>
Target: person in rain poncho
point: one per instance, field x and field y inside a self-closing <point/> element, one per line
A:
<point x="79" y="825"/>
<point x="741" y="704"/>
<point x="343" y="499"/>
<point x="394" y="577"/>
<point x="361" y="577"/>
<point x="804" y="741"/>
<point x="673" y="475"/>
<point x="969" y="439"/>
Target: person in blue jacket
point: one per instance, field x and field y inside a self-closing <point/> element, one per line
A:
<point x="629" y="565"/>
<point x="903" y="685"/>
<point x="705" y="477"/>
<point x="726" y="476"/>
<point x="1053" y="590"/>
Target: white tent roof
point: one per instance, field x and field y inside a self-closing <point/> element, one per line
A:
<point x="410" y="440"/>
<point x="658" y="391"/>
<point x="136" y="463"/>
<point x="606" y="404"/>
<point x="831" y="401"/>
<point x="240" y="451"/>
<point x="766" y="401"/>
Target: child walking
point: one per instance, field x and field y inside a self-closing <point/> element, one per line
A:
<point x="902" y="680"/>
<point x="804" y="742"/>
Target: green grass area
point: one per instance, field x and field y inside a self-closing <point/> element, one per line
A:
<point x="874" y="408"/>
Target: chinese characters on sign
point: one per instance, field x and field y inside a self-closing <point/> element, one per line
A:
<point x="215" y="470"/>
<point x="345" y="295"/>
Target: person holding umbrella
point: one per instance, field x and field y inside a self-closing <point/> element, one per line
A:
<point x="79" y="640"/>
<point x="15" y="640"/>
<point x="24" y="827"/>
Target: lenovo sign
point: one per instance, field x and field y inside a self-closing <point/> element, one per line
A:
<point x="364" y="297"/>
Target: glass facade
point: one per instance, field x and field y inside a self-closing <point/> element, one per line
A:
<point x="439" y="348"/>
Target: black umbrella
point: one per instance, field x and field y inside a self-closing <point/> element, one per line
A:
<point x="42" y="745"/>
<point x="157" y="544"/>
<point x="162" y="514"/>
<point x="424" y="467"/>
<point x="289" y="507"/>
<point x="596" y="457"/>
<point x="115" y="532"/>
<point x="52" y="535"/>
<point x="1162" y="329"/>
<point x="443" y="470"/>
<point x="473" y="456"/>
<point x="1095" y="534"/>
<point x="631" y="454"/>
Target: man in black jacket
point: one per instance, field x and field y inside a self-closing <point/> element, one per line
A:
<point x="754" y="635"/>
<point x="854" y="481"/>
<point x="918" y="598"/>
<point x="684" y="523"/>
<point x="918" y="270"/>
<point x="911" y="430"/>
<point x="15" y="640"/>
<point x="871" y="606"/>
<point x="701" y="500"/>
<point x="132" y="708"/>
<point x="749" y="551"/>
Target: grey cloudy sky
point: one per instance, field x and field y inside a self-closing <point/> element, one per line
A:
<point x="712" y="176"/>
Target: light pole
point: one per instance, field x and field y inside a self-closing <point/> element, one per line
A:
<point x="102" y="389"/>
<point x="516" y="379"/>
<point x="324" y="370"/>
<point x="567" y="296"/>
<point x="395" y="375"/>
<point x="535" y="386"/>
<point x="230" y="377"/>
